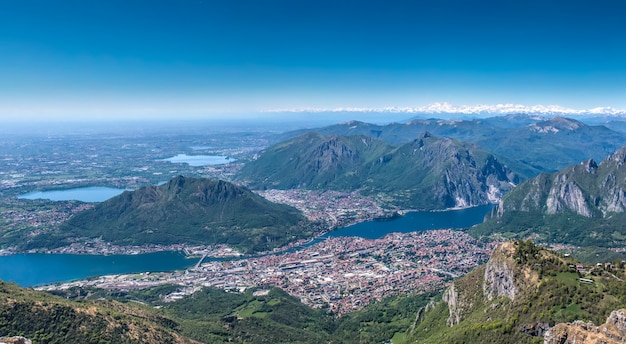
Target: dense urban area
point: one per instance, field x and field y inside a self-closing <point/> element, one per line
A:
<point x="341" y="274"/>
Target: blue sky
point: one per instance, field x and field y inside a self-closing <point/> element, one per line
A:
<point x="107" y="59"/>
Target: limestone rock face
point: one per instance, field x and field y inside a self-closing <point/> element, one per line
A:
<point x="578" y="332"/>
<point x="499" y="278"/>
<point x="451" y="297"/>
<point x="566" y="195"/>
<point x="499" y="281"/>
<point x="588" y="189"/>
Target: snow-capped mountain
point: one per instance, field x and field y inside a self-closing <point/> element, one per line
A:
<point x="482" y="110"/>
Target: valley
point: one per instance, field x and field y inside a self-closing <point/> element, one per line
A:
<point x="291" y="210"/>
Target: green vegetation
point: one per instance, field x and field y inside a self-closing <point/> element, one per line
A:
<point x="213" y="315"/>
<point x="380" y="321"/>
<point x="426" y="173"/>
<point x="185" y="210"/>
<point x="549" y="291"/>
<point x="45" y="318"/>
<point x="581" y="205"/>
<point x="567" y="228"/>
<point x="216" y="316"/>
<point x="543" y="146"/>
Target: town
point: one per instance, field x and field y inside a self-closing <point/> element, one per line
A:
<point x="341" y="274"/>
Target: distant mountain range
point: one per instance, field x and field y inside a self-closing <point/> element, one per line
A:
<point x="584" y="204"/>
<point x="185" y="210"/>
<point x="428" y="172"/>
<point x="481" y="110"/>
<point x="535" y="143"/>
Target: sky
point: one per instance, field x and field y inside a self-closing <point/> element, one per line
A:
<point x="196" y="59"/>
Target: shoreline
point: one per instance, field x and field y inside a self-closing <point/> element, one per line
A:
<point x="99" y="247"/>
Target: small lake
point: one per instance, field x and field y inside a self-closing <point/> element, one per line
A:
<point x="199" y="160"/>
<point x="84" y="194"/>
<point x="29" y="270"/>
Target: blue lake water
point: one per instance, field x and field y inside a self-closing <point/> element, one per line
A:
<point x="416" y="221"/>
<point x="37" y="269"/>
<point x="199" y="160"/>
<point x="84" y="194"/>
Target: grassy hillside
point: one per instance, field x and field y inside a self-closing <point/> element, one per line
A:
<point x="215" y="316"/>
<point x="44" y="318"/>
<point x="185" y="210"/>
<point x="547" y="290"/>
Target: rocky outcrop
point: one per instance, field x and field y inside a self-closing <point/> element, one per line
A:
<point x="499" y="279"/>
<point x="427" y="173"/>
<point x="578" y="332"/>
<point x="451" y="297"/>
<point x="587" y="189"/>
<point x="15" y="340"/>
<point x="566" y="195"/>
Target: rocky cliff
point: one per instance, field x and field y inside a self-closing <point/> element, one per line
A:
<point x="499" y="280"/>
<point x="582" y="205"/>
<point x="520" y="295"/>
<point x="613" y="331"/>
<point x="587" y="189"/>
<point x="427" y="173"/>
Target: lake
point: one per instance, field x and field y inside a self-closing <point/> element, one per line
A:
<point x="29" y="270"/>
<point x="84" y="194"/>
<point x="37" y="269"/>
<point x="199" y="160"/>
<point x="416" y="221"/>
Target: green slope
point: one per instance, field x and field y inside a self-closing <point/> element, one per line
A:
<point x="216" y="316"/>
<point x="185" y="210"/>
<point x="530" y="145"/>
<point x="313" y="161"/>
<point x="427" y="173"/>
<point x="44" y="318"/>
<point x="582" y="205"/>
<point x="548" y="291"/>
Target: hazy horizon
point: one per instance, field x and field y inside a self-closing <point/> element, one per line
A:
<point x="210" y="59"/>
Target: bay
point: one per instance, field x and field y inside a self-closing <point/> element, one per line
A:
<point x="83" y="194"/>
<point x="35" y="269"/>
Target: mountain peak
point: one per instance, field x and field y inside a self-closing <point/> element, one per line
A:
<point x="519" y="295"/>
<point x="188" y="210"/>
<point x="556" y="124"/>
<point x="425" y="135"/>
<point x="619" y="155"/>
